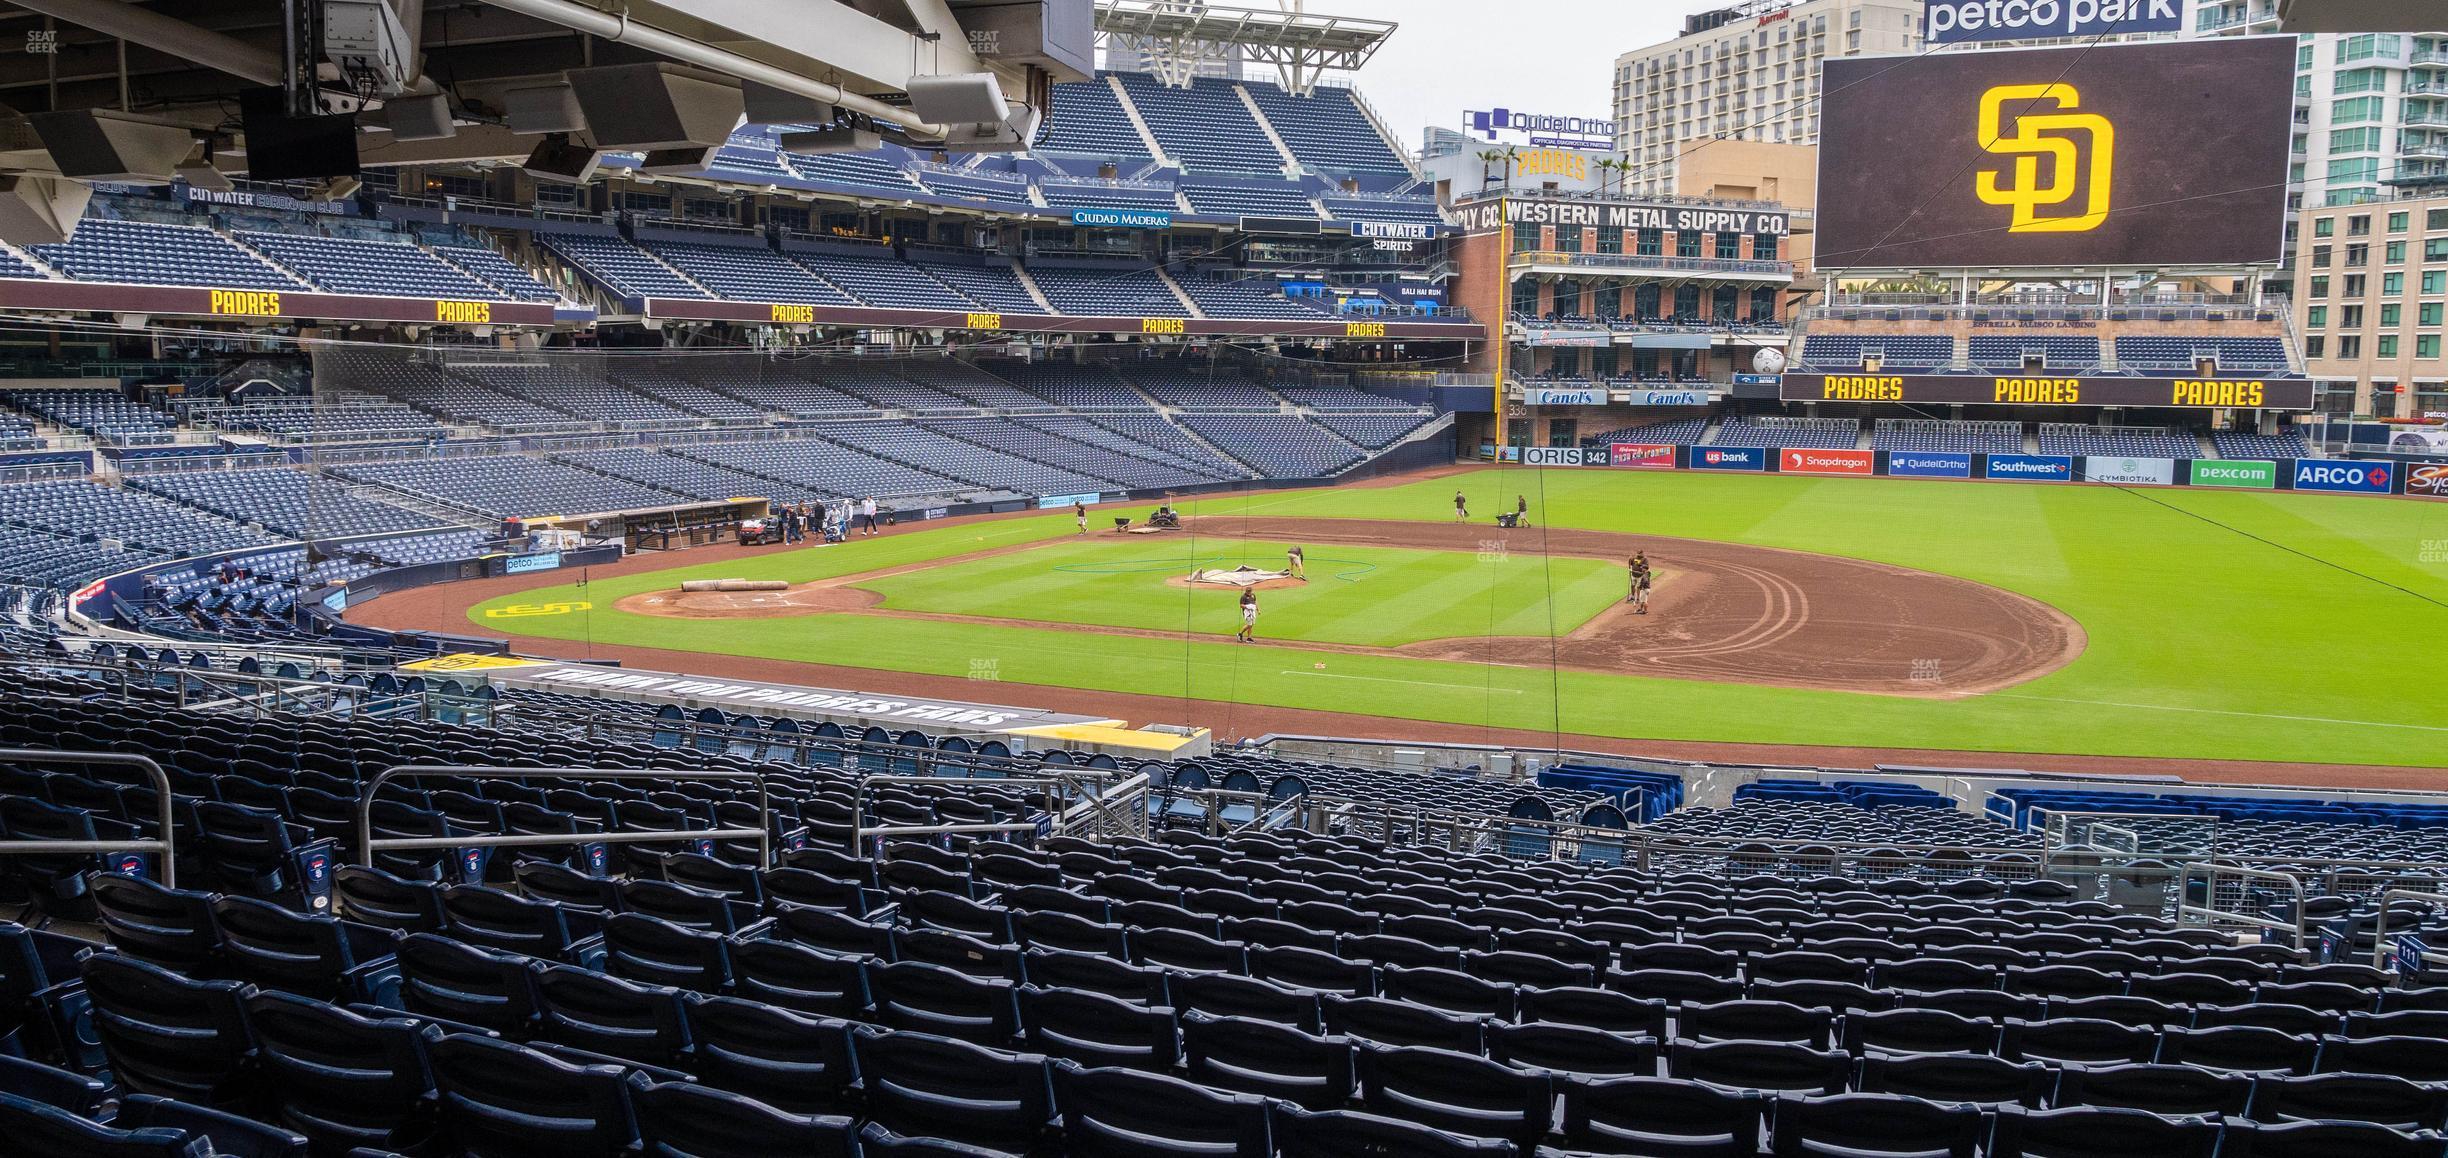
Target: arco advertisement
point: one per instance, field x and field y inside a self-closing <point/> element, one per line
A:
<point x="2344" y="476"/>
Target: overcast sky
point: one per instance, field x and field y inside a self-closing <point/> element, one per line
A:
<point x="1545" y="56"/>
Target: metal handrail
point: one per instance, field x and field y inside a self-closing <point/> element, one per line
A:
<point x="367" y="845"/>
<point x="2380" y="951"/>
<point x="2211" y="916"/>
<point x="166" y="845"/>
<point x="859" y="832"/>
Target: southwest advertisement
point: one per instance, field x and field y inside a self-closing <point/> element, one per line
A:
<point x="2088" y="155"/>
<point x="2030" y="467"/>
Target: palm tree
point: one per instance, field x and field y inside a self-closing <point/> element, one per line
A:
<point x="1622" y="167"/>
<point x="1491" y="156"/>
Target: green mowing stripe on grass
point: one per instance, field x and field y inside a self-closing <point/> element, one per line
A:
<point x="1368" y="596"/>
<point x="792" y="564"/>
<point x="2204" y="643"/>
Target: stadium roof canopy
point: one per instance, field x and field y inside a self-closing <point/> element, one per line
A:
<point x="1175" y="35"/>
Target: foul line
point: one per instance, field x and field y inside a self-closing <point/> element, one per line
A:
<point x="1327" y="675"/>
<point x="2220" y="712"/>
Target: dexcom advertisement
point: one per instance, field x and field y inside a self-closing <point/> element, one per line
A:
<point x="2124" y="155"/>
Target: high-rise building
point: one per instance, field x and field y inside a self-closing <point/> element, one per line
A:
<point x="1748" y="72"/>
<point x="2373" y="311"/>
<point x="1439" y="141"/>
<point x="2371" y="131"/>
<point x="2371" y="109"/>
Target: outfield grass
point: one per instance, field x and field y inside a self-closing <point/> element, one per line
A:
<point x="2222" y="624"/>
<point x="1372" y="597"/>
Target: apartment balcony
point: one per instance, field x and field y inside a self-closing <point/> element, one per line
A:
<point x="2419" y="146"/>
<point x="2428" y="58"/>
<point x="2419" y="175"/>
<point x="2238" y="21"/>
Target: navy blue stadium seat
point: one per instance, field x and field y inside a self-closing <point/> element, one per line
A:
<point x="1119" y="1113"/>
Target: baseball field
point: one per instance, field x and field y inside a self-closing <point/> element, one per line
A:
<point x="1982" y="617"/>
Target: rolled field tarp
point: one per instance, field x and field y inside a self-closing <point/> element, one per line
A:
<point x="733" y="585"/>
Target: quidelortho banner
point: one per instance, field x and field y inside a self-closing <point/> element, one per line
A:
<point x="2345" y="476"/>
<point x="2170" y="152"/>
<point x="1640" y="454"/>
<point x="1729" y="458"/>
<point x="2024" y="390"/>
<point x="2030" y="467"/>
<point x="2428" y="479"/>
<point x="2147" y="472"/>
<point x="1970" y="21"/>
<point x="1551" y="456"/>
<point x="1929" y="464"/>
<point x="2233" y="472"/>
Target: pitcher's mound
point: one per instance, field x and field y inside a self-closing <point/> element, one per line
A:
<point x="1244" y="578"/>
<point x="750" y="604"/>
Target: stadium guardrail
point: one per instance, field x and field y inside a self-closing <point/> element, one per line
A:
<point x="368" y="844"/>
<point x="1073" y="797"/>
<point x="2233" y="896"/>
<point x="165" y="844"/>
<point x="2382" y="950"/>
